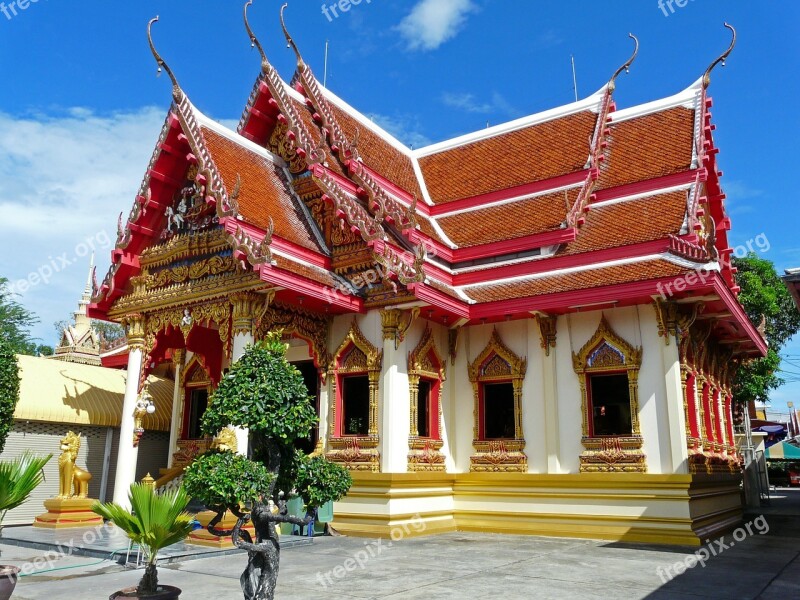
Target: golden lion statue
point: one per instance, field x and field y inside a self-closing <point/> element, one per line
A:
<point x="226" y="441"/>
<point x="70" y="476"/>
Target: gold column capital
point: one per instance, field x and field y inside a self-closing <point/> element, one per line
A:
<point x="248" y="308"/>
<point x="396" y="323"/>
<point x="547" y="330"/>
<point x="134" y="325"/>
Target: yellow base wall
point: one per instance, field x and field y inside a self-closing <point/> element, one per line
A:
<point x="664" y="509"/>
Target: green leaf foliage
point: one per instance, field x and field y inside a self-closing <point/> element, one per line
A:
<point x="9" y="389"/>
<point x="154" y="521"/>
<point x="18" y="478"/>
<point x="319" y="481"/>
<point x="226" y="479"/>
<point x="764" y="297"/>
<point x="264" y="393"/>
<point x="16" y="322"/>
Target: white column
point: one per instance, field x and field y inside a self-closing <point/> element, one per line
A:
<point x="395" y="398"/>
<point x="240" y="342"/>
<point x="128" y="452"/>
<point x="676" y="425"/>
<point x="178" y="358"/>
<point x="245" y="306"/>
<point x="547" y="331"/>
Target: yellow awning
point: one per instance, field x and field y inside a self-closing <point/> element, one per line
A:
<point x="62" y="392"/>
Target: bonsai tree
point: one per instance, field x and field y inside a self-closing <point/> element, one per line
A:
<point x="154" y="522"/>
<point x="265" y="394"/>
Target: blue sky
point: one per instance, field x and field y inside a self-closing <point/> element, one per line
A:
<point x="80" y="105"/>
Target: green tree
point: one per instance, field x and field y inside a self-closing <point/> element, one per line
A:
<point x="265" y="394"/>
<point x="767" y="302"/>
<point x="9" y="389"/>
<point x="16" y="321"/>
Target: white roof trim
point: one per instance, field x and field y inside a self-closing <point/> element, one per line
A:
<point x="237" y="138"/>
<point x="668" y="190"/>
<point x="687" y="98"/>
<point x="601" y="265"/>
<point x="369" y="124"/>
<point x="590" y="103"/>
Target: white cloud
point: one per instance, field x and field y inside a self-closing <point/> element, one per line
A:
<point x="433" y="22"/>
<point x="66" y="177"/>
<point x="497" y="104"/>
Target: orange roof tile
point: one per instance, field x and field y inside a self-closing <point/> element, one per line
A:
<point x="592" y="278"/>
<point x="313" y="273"/>
<point x="650" y="146"/>
<point x="630" y="222"/>
<point x="510" y="220"/>
<point x="263" y="193"/>
<point x="535" y="153"/>
<point x="378" y="154"/>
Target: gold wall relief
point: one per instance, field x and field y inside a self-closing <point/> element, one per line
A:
<point x="547" y="331"/>
<point x="425" y="362"/>
<point x="498" y="364"/>
<point x="607" y="353"/>
<point x="396" y="323"/>
<point x="355" y="356"/>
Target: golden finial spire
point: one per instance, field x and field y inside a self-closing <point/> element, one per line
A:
<point x="176" y="89"/>
<point x="612" y="84"/>
<point x="254" y="43"/>
<point x="721" y="59"/>
<point x="289" y="41"/>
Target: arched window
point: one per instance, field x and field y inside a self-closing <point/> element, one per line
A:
<point x="497" y="375"/>
<point x="356" y="369"/>
<point x="608" y="372"/>
<point x="426" y="375"/>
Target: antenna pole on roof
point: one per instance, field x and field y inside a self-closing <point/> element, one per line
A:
<point x="325" y="72"/>
<point x="574" y="77"/>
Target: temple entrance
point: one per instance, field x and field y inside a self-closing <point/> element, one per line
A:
<point x="310" y="375"/>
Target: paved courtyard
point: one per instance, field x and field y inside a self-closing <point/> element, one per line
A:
<point x="467" y="565"/>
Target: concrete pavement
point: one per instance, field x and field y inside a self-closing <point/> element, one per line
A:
<point x="763" y="563"/>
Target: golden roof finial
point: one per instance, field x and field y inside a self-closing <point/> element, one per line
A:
<point x="254" y="43"/>
<point x="176" y="89"/>
<point x="721" y="59"/>
<point x="289" y="40"/>
<point x="612" y="84"/>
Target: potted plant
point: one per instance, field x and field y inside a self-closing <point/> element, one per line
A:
<point x="154" y="522"/>
<point x="267" y="395"/>
<point x="18" y="478"/>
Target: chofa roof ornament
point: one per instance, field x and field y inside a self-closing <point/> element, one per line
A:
<point x="177" y="93"/>
<point x="612" y="83"/>
<point x="721" y="59"/>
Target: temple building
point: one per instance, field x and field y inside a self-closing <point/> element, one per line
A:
<point x="532" y="328"/>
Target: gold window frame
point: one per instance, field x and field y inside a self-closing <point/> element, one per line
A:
<point x="355" y="356"/>
<point x="497" y="363"/>
<point x="425" y="453"/>
<point x="607" y="352"/>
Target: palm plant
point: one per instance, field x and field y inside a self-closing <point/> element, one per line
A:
<point x="154" y="522"/>
<point x="18" y="478"/>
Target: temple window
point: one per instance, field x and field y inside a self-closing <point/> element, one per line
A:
<point x="426" y="375"/>
<point x="497" y="375"/>
<point x="311" y="379"/>
<point x="610" y="400"/>
<point x="355" y="405"/>
<point x="353" y="435"/>
<point x="608" y="372"/>
<point x="198" y="402"/>
<point x="497" y="408"/>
